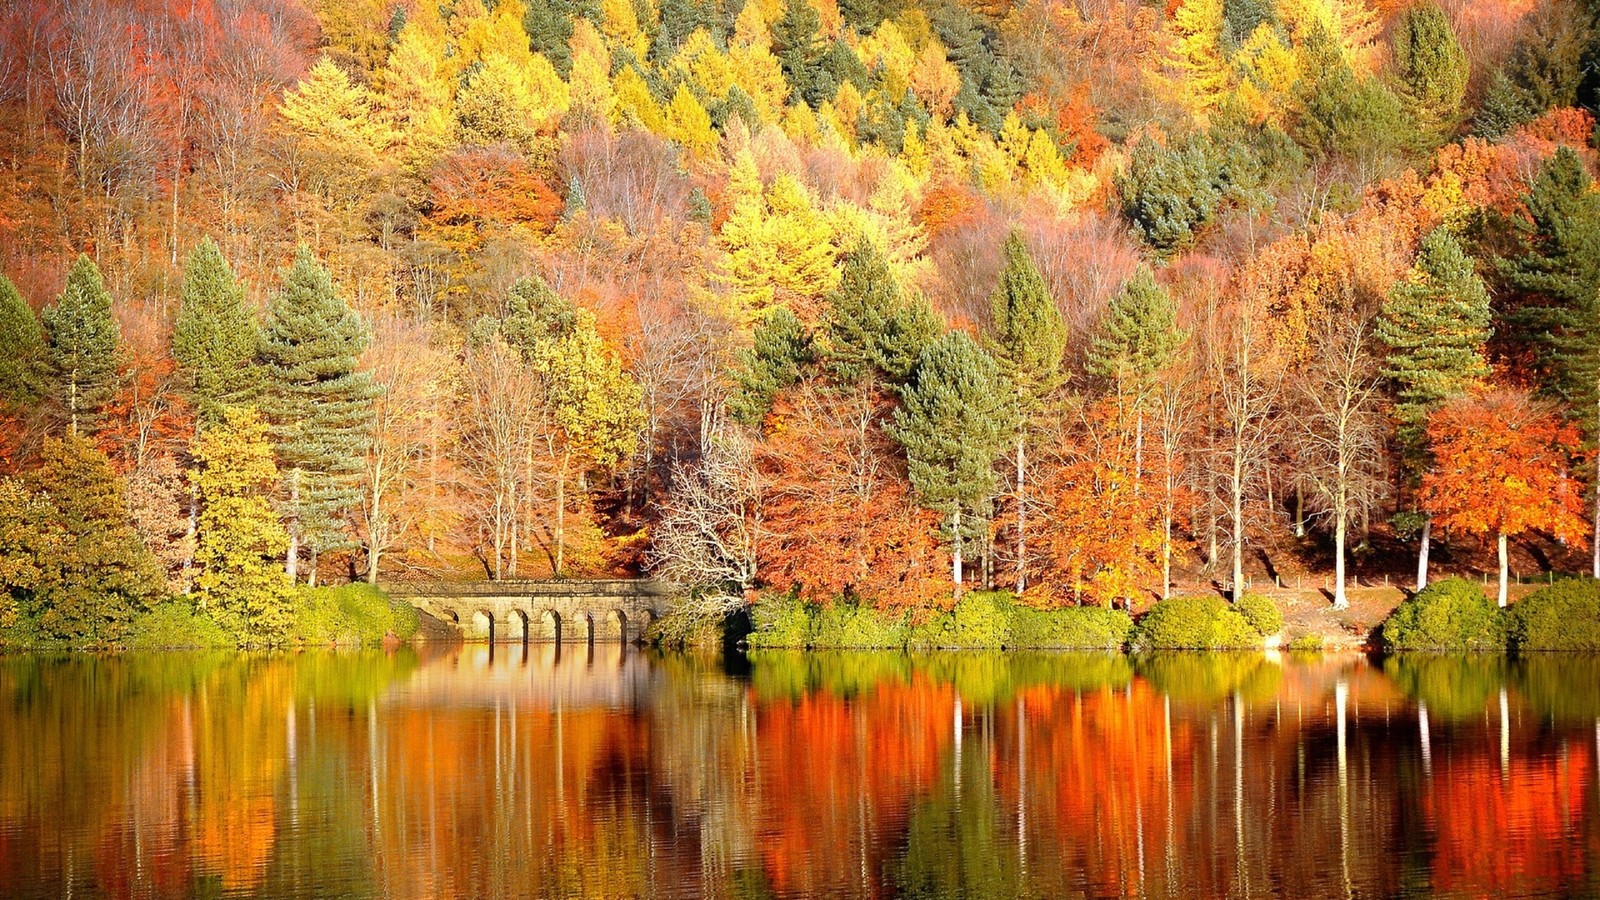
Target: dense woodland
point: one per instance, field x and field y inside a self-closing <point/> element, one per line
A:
<point x="847" y="299"/>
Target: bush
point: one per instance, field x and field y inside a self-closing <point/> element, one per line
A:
<point x="352" y="615"/>
<point x="847" y="626"/>
<point x="1451" y="615"/>
<point x="1306" y="643"/>
<point x="1072" y="628"/>
<point x="1195" y="623"/>
<point x="1564" y="616"/>
<point x="780" y="621"/>
<point x="982" y="621"/>
<point x="1262" y="614"/>
<point x="176" y="624"/>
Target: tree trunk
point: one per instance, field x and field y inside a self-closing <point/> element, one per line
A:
<point x="1422" y="554"/>
<point x="311" y="580"/>
<point x="1238" y="518"/>
<point x="1501" y="542"/>
<point x="955" y="559"/>
<point x="1299" y="510"/>
<point x="1340" y="527"/>
<point x="1021" y="518"/>
<point x="561" y="514"/>
<point x="292" y="561"/>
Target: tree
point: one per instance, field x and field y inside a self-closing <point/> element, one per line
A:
<point x="954" y="418"/>
<point x="1432" y="69"/>
<point x="32" y="546"/>
<point x="1435" y="324"/>
<point x="84" y="345"/>
<point x="318" y="403"/>
<point x="1342" y="112"/>
<point x="797" y="42"/>
<point x="1559" y="274"/>
<point x="337" y="131"/>
<point x="103" y="576"/>
<point x="706" y="539"/>
<point x="215" y="335"/>
<point x="1340" y="435"/>
<point x="1505" y="465"/>
<point x="1028" y="341"/>
<point x="780" y="348"/>
<point x="1170" y="193"/>
<point x="25" y="365"/>
<point x="239" y="583"/>
<point x="499" y="399"/>
<point x="504" y="102"/>
<point x="1544" y="70"/>
<point x="871" y="330"/>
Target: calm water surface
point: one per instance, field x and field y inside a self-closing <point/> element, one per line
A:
<point x="612" y="773"/>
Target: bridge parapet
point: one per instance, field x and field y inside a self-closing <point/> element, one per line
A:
<point x="525" y="611"/>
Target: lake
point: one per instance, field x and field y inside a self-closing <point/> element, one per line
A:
<point x="507" y="771"/>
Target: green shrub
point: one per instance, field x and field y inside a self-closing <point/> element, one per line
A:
<point x="1451" y="615"/>
<point x="352" y="615"/>
<point x="176" y="624"/>
<point x="1564" y="616"/>
<point x="847" y="626"/>
<point x="682" y="629"/>
<point x="780" y="621"/>
<point x="1072" y="628"/>
<point x="1195" y="623"/>
<point x="1306" y="643"/>
<point x="1262" y="614"/>
<point x="982" y="621"/>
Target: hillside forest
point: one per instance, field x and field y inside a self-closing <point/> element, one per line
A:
<point x="862" y="300"/>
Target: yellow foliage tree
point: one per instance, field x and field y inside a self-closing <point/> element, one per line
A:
<point x="336" y="132"/>
<point x="417" y="98"/>
<point x="1195" y="54"/>
<point x="635" y="104"/>
<point x="1353" y="23"/>
<point x="689" y="124"/>
<point x="507" y="103"/>
<point x="590" y="79"/>
<point x="777" y="248"/>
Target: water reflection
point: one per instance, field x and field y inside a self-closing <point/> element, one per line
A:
<point x="600" y="772"/>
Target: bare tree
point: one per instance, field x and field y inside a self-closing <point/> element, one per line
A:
<point x="1340" y="434"/>
<point x="705" y="542"/>
<point x="497" y="396"/>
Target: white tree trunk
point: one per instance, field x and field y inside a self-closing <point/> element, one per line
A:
<point x="1504" y="567"/>
<point x="955" y="560"/>
<point x="1022" y="517"/>
<point x="1422" y="554"/>
<point x="292" y="562"/>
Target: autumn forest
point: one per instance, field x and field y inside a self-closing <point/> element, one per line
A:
<point x="876" y="301"/>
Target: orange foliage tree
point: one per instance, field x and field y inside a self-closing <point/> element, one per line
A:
<point x="1504" y="465"/>
<point x="1106" y="541"/>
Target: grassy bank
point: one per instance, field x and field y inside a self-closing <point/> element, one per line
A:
<point x="348" y="615"/>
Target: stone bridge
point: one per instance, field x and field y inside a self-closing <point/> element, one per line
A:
<point x="526" y="611"/>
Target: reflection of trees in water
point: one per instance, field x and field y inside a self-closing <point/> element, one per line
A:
<point x="865" y="774"/>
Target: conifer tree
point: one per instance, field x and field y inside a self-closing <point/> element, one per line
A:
<point x="858" y="312"/>
<point x="1432" y="68"/>
<point x="797" y="42"/>
<point x="102" y="575"/>
<point x="239" y="584"/>
<point x="24" y="364"/>
<point x="1028" y="341"/>
<point x="215" y="335"/>
<point x="1544" y="70"/>
<point x="780" y="348"/>
<point x="1435" y="324"/>
<point x="318" y="403"/>
<point x="954" y="420"/>
<point x="84" y="339"/>
<point x="1138" y="335"/>
<point x="1560" y="271"/>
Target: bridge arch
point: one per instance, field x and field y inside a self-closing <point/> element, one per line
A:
<point x="550" y="626"/>
<point x="620" y="620"/>
<point x="519" y="627"/>
<point x="483" y="626"/>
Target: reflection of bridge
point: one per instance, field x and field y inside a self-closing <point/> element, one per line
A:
<point x="522" y="611"/>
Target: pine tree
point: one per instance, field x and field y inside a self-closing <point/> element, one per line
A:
<point x="797" y="42"/>
<point x="858" y="313"/>
<point x="1241" y="18"/>
<point x="1342" y="112"/>
<point x="84" y="339"/>
<point x="1139" y="335"/>
<point x="102" y="575"/>
<point x="215" y="336"/>
<point x="1432" y="68"/>
<point x="318" y="403"/>
<point x="1544" y="71"/>
<point x="954" y="420"/>
<point x="25" y="364"/>
<point x="239" y="583"/>
<point x="1028" y="341"/>
<point x="780" y="348"/>
<point x="1435" y="324"/>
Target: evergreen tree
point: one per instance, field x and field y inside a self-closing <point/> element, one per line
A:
<point x="797" y="42"/>
<point x="858" y="312"/>
<point x="239" y="584"/>
<point x="25" y="364"/>
<point x="215" y="336"/>
<point x="780" y="348"/>
<point x="84" y="339"/>
<point x="1169" y="193"/>
<point x="102" y="575"/>
<point x="1432" y="69"/>
<point x="1544" y="71"/>
<point x="1241" y="18"/>
<point x="953" y="422"/>
<point x="1435" y="324"/>
<point x="1342" y="113"/>
<point x="1139" y="334"/>
<point x="318" y="403"/>
<point x="1028" y="342"/>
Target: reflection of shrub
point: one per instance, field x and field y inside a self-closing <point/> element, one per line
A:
<point x="1262" y="614"/>
<point x="1546" y="681"/>
<point x="1195" y="623"/>
<point x="1454" y="687"/>
<point x="1450" y="615"/>
<point x="1072" y="628"/>
<point x="1210" y="677"/>
<point x="1564" y="616"/>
